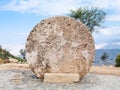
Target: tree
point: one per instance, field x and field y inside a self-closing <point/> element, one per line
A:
<point x="91" y="17"/>
<point x="117" y="60"/>
<point x="104" y="57"/>
<point x="22" y="52"/>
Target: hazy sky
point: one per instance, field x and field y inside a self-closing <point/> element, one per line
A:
<point x="18" y="17"/>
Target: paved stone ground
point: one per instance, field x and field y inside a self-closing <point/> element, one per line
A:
<point x="25" y="80"/>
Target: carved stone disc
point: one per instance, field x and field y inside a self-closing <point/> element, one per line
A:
<point x="60" y="45"/>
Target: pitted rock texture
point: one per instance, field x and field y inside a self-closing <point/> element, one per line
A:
<point x="60" y="45"/>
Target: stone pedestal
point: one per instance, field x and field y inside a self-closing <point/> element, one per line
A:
<point x="61" y="77"/>
<point x="60" y="45"/>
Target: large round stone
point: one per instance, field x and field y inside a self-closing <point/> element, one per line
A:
<point x="60" y="45"/>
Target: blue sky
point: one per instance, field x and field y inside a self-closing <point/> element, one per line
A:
<point x="18" y="17"/>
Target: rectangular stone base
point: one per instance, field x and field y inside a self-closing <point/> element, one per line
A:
<point x="61" y="77"/>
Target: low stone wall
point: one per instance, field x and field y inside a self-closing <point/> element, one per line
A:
<point x="61" y="77"/>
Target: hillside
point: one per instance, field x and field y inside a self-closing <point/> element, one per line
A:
<point x="6" y="55"/>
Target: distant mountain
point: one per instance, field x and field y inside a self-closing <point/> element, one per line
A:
<point x="112" y="53"/>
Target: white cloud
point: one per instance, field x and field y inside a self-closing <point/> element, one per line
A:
<point x="114" y="30"/>
<point x="14" y="41"/>
<point x="99" y="3"/>
<point x="52" y="7"/>
<point x="100" y="46"/>
<point x="106" y="4"/>
<point x="115" y="17"/>
<point x="107" y="34"/>
<point x="115" y="43"/>
<point x="55" y="7"/>
<point x="13" y="48"/>
<point x="21" y="5"/>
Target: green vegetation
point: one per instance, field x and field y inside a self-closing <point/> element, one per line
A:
<point x="19" y="59"/>
<point x="5" y="55"/>
<point x="104" y="57"/>
<point x="117" y="60"/>
<point x="91" y="17"/>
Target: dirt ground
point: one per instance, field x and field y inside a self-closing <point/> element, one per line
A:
<point x="106" y="70"/>
<point x="20" y="77"/>
<point x="14" y="66"/>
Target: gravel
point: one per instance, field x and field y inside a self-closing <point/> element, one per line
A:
<point x="26" y="80"/>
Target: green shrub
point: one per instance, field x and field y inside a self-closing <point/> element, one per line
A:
<point x="104" y="57"/>
<point x="4" y="54"/>
<point x="117" y="60"/>
<point x="20" y="59"/>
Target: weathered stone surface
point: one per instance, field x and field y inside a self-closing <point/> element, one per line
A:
<point x="16" y="78"/>
<point x="91" y="81"/>
<point x="60" y="45"/>
<point x="61" y="77"/>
